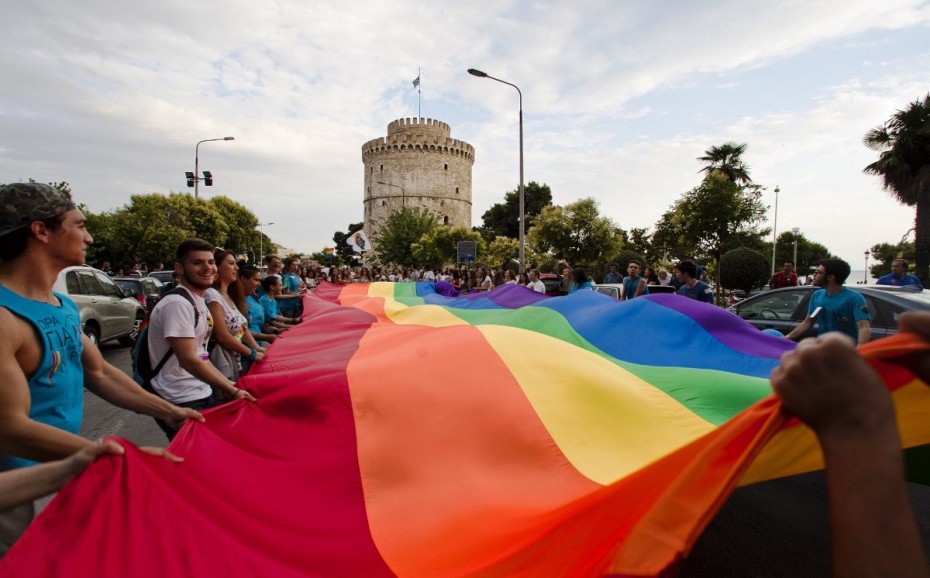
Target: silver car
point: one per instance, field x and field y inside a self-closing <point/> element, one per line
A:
<point x="107" y="312"/>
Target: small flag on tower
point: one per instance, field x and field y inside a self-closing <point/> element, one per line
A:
<point x="416" y="81"/>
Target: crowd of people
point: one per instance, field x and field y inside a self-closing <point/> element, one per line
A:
<point x="221" y="304"/>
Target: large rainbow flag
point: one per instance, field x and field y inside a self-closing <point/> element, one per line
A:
<point x="404" y="432"/>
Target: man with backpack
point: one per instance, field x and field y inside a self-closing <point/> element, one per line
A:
<point x="178" y="338"/>
<point x="45" y="361"/>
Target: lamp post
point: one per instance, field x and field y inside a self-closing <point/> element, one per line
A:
<point x="403" y="195"/>
<point x="865" y="274"/>
<point x="775" y="228"/>
<point x="261" y="242"/>
<point x="481" y="74"/>
<point x="197" y="162"/>
<point x="795" y="230"/>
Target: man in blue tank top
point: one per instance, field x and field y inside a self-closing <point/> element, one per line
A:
<point x="45" y="360"/>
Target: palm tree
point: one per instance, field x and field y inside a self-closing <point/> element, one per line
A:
<point x="903" y="143"/>
<point x="727" y="158"/>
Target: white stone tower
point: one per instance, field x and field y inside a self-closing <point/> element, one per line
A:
<point x="419" y="164"/>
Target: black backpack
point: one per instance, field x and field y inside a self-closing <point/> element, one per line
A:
<point x="142" y="370"/>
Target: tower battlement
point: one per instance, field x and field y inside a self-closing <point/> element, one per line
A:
<point x="417" y="165"/>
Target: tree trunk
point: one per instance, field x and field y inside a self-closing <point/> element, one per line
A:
<point x="922" y="240"/>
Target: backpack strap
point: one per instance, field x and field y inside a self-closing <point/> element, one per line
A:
<point x="184" y="293"/>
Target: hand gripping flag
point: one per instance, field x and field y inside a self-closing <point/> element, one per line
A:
<point x="402" y="430"/>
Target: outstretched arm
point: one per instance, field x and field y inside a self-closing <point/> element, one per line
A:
<point x="826" y="384"/>
<point x="26" y="484"/>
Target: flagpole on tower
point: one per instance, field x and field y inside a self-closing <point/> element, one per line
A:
<point x="416" y="84"/>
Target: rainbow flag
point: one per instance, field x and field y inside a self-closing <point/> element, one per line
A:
<point x="404" y="431"/>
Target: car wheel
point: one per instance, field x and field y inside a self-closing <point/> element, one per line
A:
<point x="93" y="333"/>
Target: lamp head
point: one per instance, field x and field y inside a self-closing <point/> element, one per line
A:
<point x="476" y="72"/>
<point x="229" y="138"/>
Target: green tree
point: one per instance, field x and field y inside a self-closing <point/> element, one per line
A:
<point x="715" y="217"/>
<point x="727" y="159"/>
<point x="402" y="229"/>
<point x="502" y="219"/>
<point x="503" y="253"/>
<point x="903" y="144"/>
<point x="577" y="233"/>
<point x="242" y="233"/>
<point x="744" y="269"/>
<point x="343" y="249"/>
<point x="439" y="246"/>
<point x="884" y="253"/>
<point x="809" y="252"/>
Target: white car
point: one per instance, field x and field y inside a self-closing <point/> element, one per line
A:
<point x="107" y="312"/>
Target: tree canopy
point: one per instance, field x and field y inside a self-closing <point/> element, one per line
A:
<point x="903" y="144"/>
<point x="577" y="233"/>
<point x="884" y="253"/>
<point x="502" y="219"/>
<point x="439" y="246"/>
<point x="809" y="252"/>
<point x="743" y="269"/>
<point x="728" y="160"/>
<point x="401" y="230"/>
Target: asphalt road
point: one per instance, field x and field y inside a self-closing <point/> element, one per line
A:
<point x="770" y="530"/>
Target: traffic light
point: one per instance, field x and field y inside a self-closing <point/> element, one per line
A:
<point x="208" y="178"/>
<point x="190" y="178"/>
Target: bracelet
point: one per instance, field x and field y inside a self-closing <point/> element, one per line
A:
<point x="253" y="354"/>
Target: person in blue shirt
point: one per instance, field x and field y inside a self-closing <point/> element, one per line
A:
<point x="633" y="285"/>
<point x="579" y="281"/>
<point x="613" y="275"/>
<point x="691" y="286"/>
<point x="45" y="360"/>
<point x="899" y="276"/>
<point x="834" y="307"/>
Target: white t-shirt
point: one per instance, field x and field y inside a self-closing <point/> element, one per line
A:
<point x="537" y="286"/>
<point x="174" y="317"/>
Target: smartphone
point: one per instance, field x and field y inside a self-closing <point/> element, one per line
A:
<point x="815" y="313"/>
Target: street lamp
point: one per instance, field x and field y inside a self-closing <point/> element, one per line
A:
<point x="261" y="242"/>
<point x="865" y="274"/>
<point x="795" y="230"/>
<point x="775" y="229"/>
<point x="197" y="163"/>
<point x="480" y="74"/>
<point x="403" y="195"/>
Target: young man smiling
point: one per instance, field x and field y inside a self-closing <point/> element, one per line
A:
<point x="179" y="328"/>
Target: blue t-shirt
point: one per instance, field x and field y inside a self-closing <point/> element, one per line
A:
<point x="256" y="314"/>
<point x="701" y="291"/>
<point x="613" y="278"/>
<point x="575" y="287"/>
<point x="56" y="388"/>
<point x="630" y="285"/>
<point x="840" y="312"/>
<point x="890" y="279"/>
<point x="270" y="306"/>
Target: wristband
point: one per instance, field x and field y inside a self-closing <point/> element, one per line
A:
<point x="253" y="354"/>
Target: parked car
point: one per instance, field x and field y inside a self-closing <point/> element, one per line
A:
<point x="783" y="309"/>
<point x="614" y="290"/>
<point x="107" y="311"/>
<point x="145" y="290"/>
<point x="552" y="282"/>
<point x="162" y="276"/>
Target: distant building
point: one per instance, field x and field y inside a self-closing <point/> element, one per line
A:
<point x="418" y="164"/>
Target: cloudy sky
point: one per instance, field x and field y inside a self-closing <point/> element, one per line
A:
<point x="620" y="97"/>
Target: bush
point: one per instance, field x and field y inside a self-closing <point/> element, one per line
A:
<point x="623" y="259"/>
<point x="744" y="269"/>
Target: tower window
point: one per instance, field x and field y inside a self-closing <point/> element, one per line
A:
<point x="383" y="203"/>
<point x="446" y="167"/>
<point x="382" y="168"/>
<point x="445" y="220"/>
<point x="456" y="190"/>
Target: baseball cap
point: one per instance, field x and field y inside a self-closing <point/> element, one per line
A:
<point x="23" y="203"/>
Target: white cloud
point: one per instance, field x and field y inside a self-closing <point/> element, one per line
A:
<point x="620" y="98"/>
